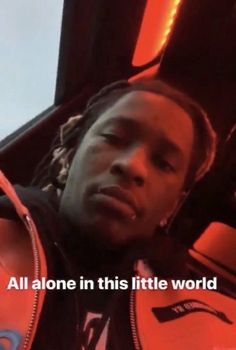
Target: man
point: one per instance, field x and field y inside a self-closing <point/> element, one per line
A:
<point x="123" y="169"/>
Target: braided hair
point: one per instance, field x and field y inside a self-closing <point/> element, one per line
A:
<point x="51" y="173"/>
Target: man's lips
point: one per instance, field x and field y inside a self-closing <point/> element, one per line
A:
<point x="118" y="199"/>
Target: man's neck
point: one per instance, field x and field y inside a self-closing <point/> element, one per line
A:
<point x="90" y="258"/>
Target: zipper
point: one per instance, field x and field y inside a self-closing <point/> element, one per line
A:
<point x="134" y="332"/>
<point x="28" y="223"/>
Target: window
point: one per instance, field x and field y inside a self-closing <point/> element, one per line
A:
<point x="29" y="45"/>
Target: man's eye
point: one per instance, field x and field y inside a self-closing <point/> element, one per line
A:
<point x="164" y="164"/>
<point x="113" y="138"/>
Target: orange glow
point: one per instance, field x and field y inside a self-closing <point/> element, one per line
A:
<point x="158" y="19"/>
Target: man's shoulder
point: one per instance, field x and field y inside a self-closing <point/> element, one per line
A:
<point x="43" y="210"/>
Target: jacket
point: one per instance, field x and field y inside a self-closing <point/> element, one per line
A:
<point x="138" y="319"/>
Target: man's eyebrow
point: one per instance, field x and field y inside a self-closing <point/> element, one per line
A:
<point x="122" y="121"/>
<point x="168" y="145"/>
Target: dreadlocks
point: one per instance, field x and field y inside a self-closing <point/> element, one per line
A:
<point x="52" y="174"/>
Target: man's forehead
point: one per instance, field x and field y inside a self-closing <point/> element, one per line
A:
<point x="133" y="99"/>
<point x="142" y="104"/>
<point x="144" y="109"/>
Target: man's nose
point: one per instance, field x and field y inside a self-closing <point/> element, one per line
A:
<point x="132" y="165"/>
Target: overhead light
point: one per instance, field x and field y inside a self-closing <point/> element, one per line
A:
<point x="159" y="17"/>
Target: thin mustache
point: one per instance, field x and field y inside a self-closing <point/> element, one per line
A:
<point x="122" y="194"/>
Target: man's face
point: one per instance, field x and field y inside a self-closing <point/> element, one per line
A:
<point x="129" y="170"/>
